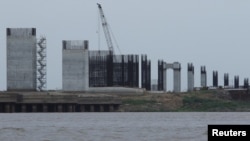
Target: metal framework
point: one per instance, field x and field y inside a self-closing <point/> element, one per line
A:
<point x="41" y="65"/>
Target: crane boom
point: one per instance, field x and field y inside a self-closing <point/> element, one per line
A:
<point x="106" y="29"/>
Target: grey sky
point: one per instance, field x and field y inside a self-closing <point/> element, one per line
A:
<point x="214" y="33"/>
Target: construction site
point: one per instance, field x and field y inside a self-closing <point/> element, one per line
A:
<point x="91" y="79"/>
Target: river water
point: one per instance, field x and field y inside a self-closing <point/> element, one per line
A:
<point x="167" y="126"/>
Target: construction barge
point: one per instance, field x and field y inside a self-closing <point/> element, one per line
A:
<point x="30" y="102"/>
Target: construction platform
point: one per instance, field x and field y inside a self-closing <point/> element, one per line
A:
<point x="28" y="102"/>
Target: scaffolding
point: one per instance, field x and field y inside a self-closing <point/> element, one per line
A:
<point x="41" y="65"/>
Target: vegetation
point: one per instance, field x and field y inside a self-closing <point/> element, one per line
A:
<point x="197" y="101"/>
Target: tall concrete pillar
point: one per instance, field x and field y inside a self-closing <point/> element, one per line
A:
<point x="92" y="108"/>
<point x="59" y="108"/>
<point x="203" y="77"/>
<point x="101" y="108"/>
<point x="7" y="108"/>
<point x="34" y="108"/>
<point x="226" y="79"/>
<point x="160" y="75"/>
<point x="23" y="108"/>
<point x="82" y="108"/>
<point x="45" y="108"/>
<point x="236" y="81"/>
<point x="246" y="83"/>
<point x="215" y="79"/>
<point x="111" y="108"/>
<point x="177" y="77"/>
<point x="75" y="72"/>
<point x="190" y="76"/>
<point x="164" y="77"/>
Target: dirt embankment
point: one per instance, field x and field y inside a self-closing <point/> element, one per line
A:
<point x="207" y="100"/>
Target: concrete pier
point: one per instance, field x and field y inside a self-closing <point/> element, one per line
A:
<point x="215" y="79"/>
<point x="21" y="59"/>
<point x="236" y="81"/>
<point x="203" y="77"/>
<point x="177" y="77"/>
<point x="226" y="80"/>
<point x="37" y="102"/>
<point x="190" y="76"/>
<point x="75" y="65"/>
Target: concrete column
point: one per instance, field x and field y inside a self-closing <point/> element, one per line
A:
<point x="45" y="108"/>
<point x="190" y="77"/>
<point x="23" y="108"/>
<point x="59" y="108"/>
<point x="111" y="108"/>
<point x="177" y="77"/>
<point x="101" y="108"/>
<point x="1" y="108"/>
<point x="13" y="108"/>
<point x="246" y="83"/>
<point x="164" y="77"/>
<point x="70" y="108"/>
<point x="226" y="79"/>
<point x="34" y="108"/>
<point x="215" y="79"/>
<point x="203" y="76"/>
<point x="7" y="108"/>
<point x="236" y="81"/>
<point x="92" y="108"/>
<point x="82" y="108"/>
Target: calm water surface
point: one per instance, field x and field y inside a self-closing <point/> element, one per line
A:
<point x="169" y="126"/>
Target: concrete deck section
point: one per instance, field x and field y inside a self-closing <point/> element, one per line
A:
<point x="57" y="102"/>
<point x="21" y="59"/>
<point x="75" y="66"/>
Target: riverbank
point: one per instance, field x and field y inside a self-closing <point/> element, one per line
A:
<point x="197" y="101"/>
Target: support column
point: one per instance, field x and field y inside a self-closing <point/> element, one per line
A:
<point x="101" y="108"/>
<point x="70" y="108"/>
<point x="13" y="108"/>
<point x="164" y="79"/>
<point x="236" y="81"/>
<point x="177" y="77"/>
<point x="34" y="108"/>
<point x="82" y="108"/>
<point x="1" y="108"/>
<point x="23" y="108"/>
<point x="7" y="108"/>
<point x="226" y="80"/>
<point x="203" y="77"/>
<point x="59" y="108"/>
<point x="246" y="83"/>
<point x="45" y="108"/>
<point x="190" y="78"/>
<point x="111" y="108"/>
<point x="92" y="108"/>
<point x="215" y="79"/>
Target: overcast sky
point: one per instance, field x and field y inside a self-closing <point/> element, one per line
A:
<point x="214" y="33"/>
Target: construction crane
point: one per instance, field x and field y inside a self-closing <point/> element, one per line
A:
<point x="106" y="29"/>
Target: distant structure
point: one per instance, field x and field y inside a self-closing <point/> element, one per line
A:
<point x="190" y="75"/>
<point x="145" y="72"/>
<point x="75" y="65"/>
<point x="21" y="59"/>
<point x="215" y="79"/>
<point x="236" y="81"/>
<point x="203" y="76"/>
<point x="226" y="79"/>
<point x="162" y="77"/>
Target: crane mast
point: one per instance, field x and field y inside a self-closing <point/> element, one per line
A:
<point x="106" y="29"/>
